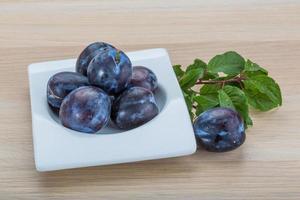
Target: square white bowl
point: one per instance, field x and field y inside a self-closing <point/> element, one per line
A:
<point x="170" y="134"/>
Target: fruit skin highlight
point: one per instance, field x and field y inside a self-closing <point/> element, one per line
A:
<point x="219" y="129"/>
<point x="134" y="107"/>
<point x="61" y="84"/>
<point x="86" y="109"/>
<point x="110" y="70"/>
<point x="143" y="77"/>
<point x="88" y="54"/>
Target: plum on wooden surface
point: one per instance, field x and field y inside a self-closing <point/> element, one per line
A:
<point x="220" y="129"/>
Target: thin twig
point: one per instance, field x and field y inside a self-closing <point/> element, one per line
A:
<point x="223" y="82"/>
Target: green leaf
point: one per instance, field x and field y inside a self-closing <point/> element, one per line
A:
<point x="239" y="101"/>
<point x="263" y="92"/>
<point x="230" y="63"/>
<point x="208" y="75"/>
<point x="178" y="71"/>
<point x="199" y="110"/>
<point x="210" y="89"/>
<point x="189" y="102"/>
<point x="190" y="92"/>
<point x="205" y="103"/>
<point x="225" y="100"/>
<point x="196" y="65"/>
<point x="253" y="69"/>
<point x="190" y="77"/>
<point x="208" y="98"/>
<point x="233" y="97"/>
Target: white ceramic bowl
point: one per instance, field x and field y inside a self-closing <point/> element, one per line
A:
<point x="169" y="134"/>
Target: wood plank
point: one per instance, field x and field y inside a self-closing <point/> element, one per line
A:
<point x="268" y="32"/>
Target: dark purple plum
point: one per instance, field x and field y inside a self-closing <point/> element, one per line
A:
<point x="86" y="109"/>
<point x="61" y="84"/>
<point x="220" y="129"/>
<point x="143" y="77"/>
<point x="88" y="54"/>
<point x="110" y="70"/>
<point x="134" y="107"/>
<point x="54" y="110"/>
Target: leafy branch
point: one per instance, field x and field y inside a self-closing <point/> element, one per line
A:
<point x="228" y="80"/>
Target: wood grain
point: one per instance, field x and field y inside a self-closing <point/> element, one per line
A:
<point x="267" y="166"/>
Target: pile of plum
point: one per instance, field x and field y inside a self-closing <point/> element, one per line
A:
<point x="104" y="88"/>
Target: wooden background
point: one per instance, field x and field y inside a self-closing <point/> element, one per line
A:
<point x="267" y="166"/>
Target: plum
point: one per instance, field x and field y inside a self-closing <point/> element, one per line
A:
<point x="143" y="77"/>
<point x="134" y="107"/>
<point x="88" y="54"/>
<point x="86" y="109"/>
<point x="61" y="84"/>
<point x="110" y="70"/>
<point x="220" y="129"/>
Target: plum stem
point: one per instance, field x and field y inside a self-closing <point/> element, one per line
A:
<point x="118" y="56"/>
<point x="237" y="79"/>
